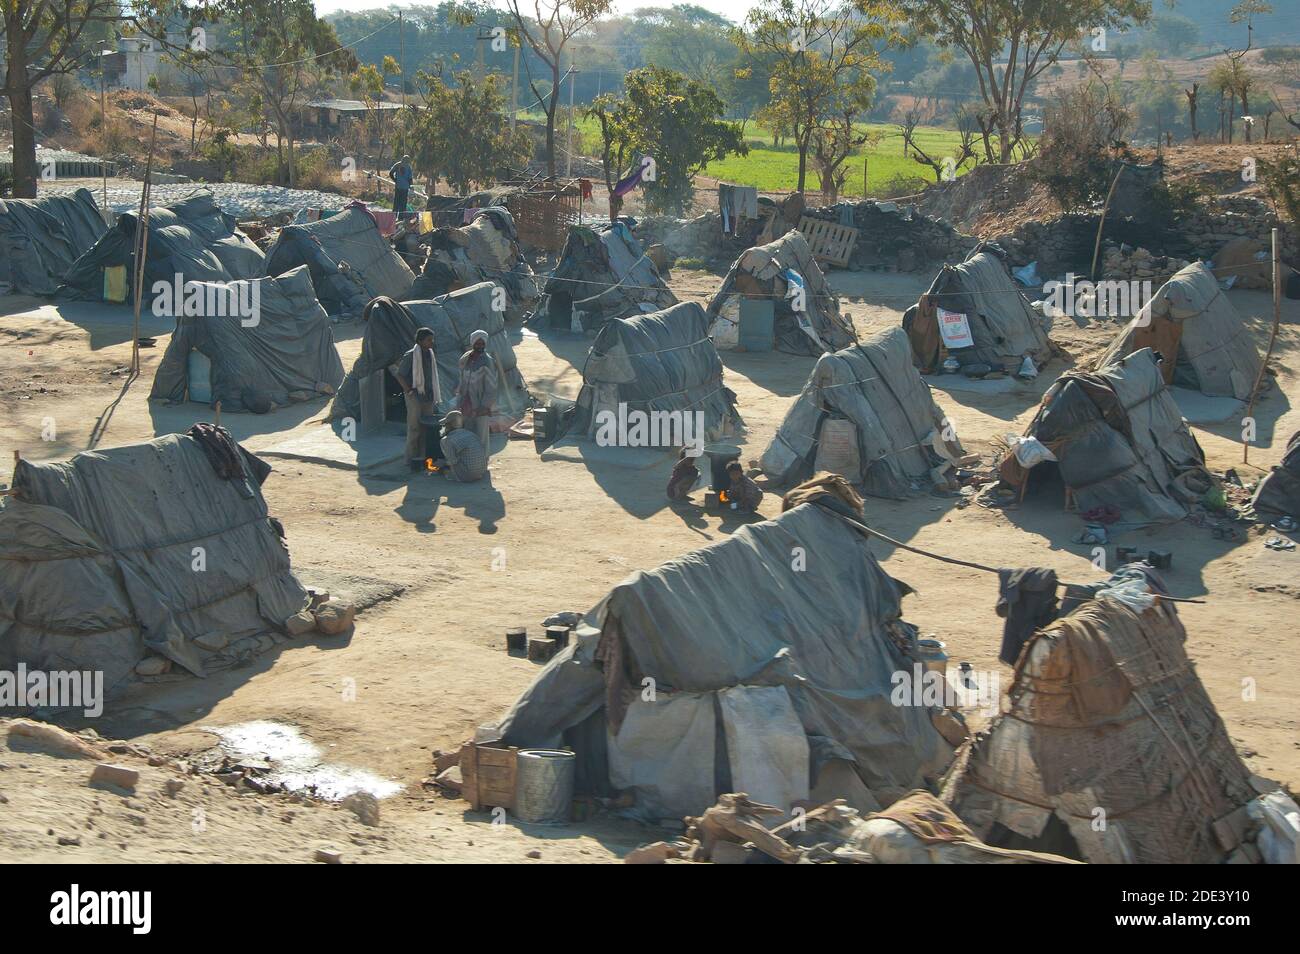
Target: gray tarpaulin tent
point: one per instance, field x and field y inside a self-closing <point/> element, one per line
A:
<point x="485" y="250"/>
<point x="1119" y="441"/>
<point x="1003" y="325"/>
<point x="191" y="238"/>
<point x="1106" y="710"/>
<point x="873" y="396"/>
<point x="603" y="273"/>
<point x="765" y="676"/>
<point x="763" y="272"/>
<point x="390" y="332"/>
<point x="1278" y="494"/>
<point x="41" y="238"/>
<point x="662" y="361"/>
<point x="100" y="561"/>
<point x="286" y="354"/>
<point x="350" y="261"/>
<point x="1206" y="345"/>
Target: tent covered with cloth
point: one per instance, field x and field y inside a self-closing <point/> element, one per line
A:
<point x="1107" y="711"/>
<point x="807" y="317"/>
<point x="1206" y="345"/>
<point x="485" y="250"/>
<point x="284" y="354"/>
<point x="765" y="678"/>
<point x="865" y="414"/>
<point x="350" y="261"/>
<point x="191" y="238"/>
<point x="603" y="273"/>
<point x="974" y="312"/>
<point x="41" y="238"/>
<point x="1116" y="439"/>
<point x="161" y="548"/>
<point x="652" y="363"/>
<point x="390" y="332"/>
<point x="1278" y="494"/>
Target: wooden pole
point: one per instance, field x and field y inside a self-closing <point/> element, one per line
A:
<point x="142" y="224"/>
<point x="1096" y="249"/>
<point x="1272" y="339"/>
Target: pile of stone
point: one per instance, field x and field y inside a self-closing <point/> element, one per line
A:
<point x="1124" y="262"/>
<point x="898" y="237"/>
<point x="1219" y="220"/>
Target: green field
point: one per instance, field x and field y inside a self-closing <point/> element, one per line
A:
<point x="776" y="169"/>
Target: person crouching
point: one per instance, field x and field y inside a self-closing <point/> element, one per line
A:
<point x="466" y="459"/>
<point x="742" y="493"/>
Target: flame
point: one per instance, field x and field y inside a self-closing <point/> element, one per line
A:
<point x="724" y="497"/>
<point x="430" y="466"/>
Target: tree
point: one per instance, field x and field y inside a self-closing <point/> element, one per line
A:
<point x="822" y="54"/>
<point x="939" y="165"/>
<point x="1011" y="42"/>
<point x="690" y="40"/>
<point x="1239" y="81"/>
<point x="284" y="48"/>
<point x="832" y="143"/>
<point x="676" y="121"/>
<point x="368" y="84"/>
<point x="1192" y="95"/>
<point x="459" y="135"/>
<point x="548" y="30"/>
<point x="44" y="38"/>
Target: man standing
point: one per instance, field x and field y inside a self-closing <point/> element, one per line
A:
<point x="467" y="461"/>
<point x="477" y="393"/>
<point x="417" y="373"/>
<point x="402" y="175"/>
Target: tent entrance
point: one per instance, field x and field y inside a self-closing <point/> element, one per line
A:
<point x="1043" y="483"/>
<point x="394" y="399"/>
<point x="1055" y="839"/>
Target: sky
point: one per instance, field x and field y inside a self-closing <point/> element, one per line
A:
<point x="734" y="10"/>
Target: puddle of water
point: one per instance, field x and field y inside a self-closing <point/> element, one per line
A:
<point x="296" y="762"/>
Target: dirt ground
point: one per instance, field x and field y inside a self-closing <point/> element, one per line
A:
<point x="429" y="663"/>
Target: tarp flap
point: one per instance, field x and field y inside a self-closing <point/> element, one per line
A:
<point x="41" y="238"/>
<point x="875" y="386"/>
<point x="767" y="749"/>
<point x="201" y="548"/>
<point x="664" y="753"/>
<point x="283" y="353"/>
<point x="350" y="261"/>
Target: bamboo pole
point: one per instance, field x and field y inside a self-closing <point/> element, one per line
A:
<point x="1272" y="339"/>
<point x="1096" y="249"/>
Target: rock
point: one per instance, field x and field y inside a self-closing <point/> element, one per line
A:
<point x="655" y="853"/>
<point x="119" y="776"/>
<point x="300" y="623"/>
<point x="335" y="617"/>
<point x="364" y="805"/>
<point x="73" y="840"/>
<point x="533" y="854"/>
<point x="52" y="738"/>
<point x="329" y="856"/>
<point x="212" y="642"/>
<point x="153" y="666"/>
<point x="173" y="786"/>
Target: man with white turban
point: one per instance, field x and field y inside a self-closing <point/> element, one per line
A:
<point x="476" y="394"/>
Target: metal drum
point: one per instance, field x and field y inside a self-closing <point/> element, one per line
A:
<point x="544" y="786"/>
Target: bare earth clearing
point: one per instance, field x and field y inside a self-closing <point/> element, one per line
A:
<point x="429" y="663"/>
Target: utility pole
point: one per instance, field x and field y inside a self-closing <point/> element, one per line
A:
<point x="401" y="65"/>
<point x="568" y="160"/>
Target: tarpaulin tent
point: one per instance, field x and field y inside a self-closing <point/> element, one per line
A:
<point x="1206" y="345"/>
<point x="765" y="271"/>
<point x="390" y="332"/>
<point x="1003" y="327"/>
<point x="284" y="353"/>
<point x="1107" y="712"/>
<point x="764" y="676"/>
<point x="662" y="361"/>
<point x="1118" y="440"/>
<point x="603" y="273"/>
<point x="485" y="250"/>
<point x="867" y="408"/>
<point x="191" y="238"/>
<point x="1278" y="494"/>
<point x="41" y="238"/>
<point x="115" y="554"/>
<point x="350" y="261"/>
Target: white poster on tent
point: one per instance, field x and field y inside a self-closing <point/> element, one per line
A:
<point x="955" y="330"/>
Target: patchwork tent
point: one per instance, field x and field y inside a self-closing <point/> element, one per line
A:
<point x="191" y="238"/>
<point x="603" y="273"/>
<point x="485" y="250"/>
<point x="1118" y="440"/>
<point x="41" y="238"/>
<point x="1278" y="494"/>
<point x="284" y="353"/>
<point x="350" y="261"/>
<point x="658" y="362"/>
<point x="1206" y="345"/>
<point x="1000" y="325"/>
<point x="1107" y="712"/>
<point x="765" y="678"/>
<point x="390" y="332"/>
<point x="785" y="272"/>
<point x="145" y="549"/>
<point x="866" y="414"/>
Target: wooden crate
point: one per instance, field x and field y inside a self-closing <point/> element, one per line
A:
<point x="830" y="242"/>
<point x="488" y="775"/>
